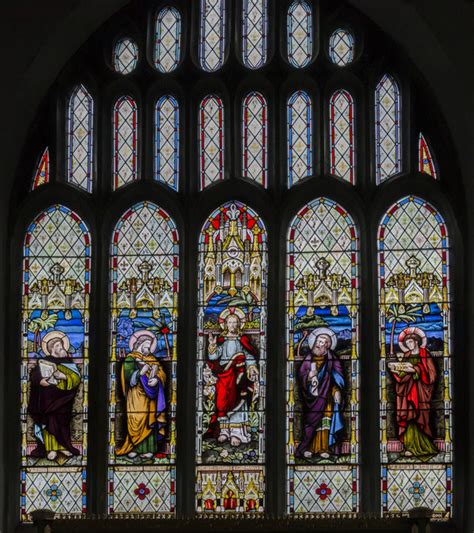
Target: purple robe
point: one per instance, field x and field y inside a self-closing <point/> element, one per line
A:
<point x="330" y="374"/>
<point x="51" y="408"/>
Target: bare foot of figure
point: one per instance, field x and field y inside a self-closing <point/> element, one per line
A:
<point x="307" y="455"/>
<point x="221" y="438"/>
<point x="235" y="441"/>
<point x="324" y="455"/>
<point x="52" y="455"/>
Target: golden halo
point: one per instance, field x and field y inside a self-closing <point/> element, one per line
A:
<point x="55" y="335"/>
<point x="411" y="331"/>
<point x="143" y="333"/>
<point x="231" y="311"/>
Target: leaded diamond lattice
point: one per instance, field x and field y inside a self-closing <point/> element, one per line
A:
<point x="80" y="137"/>
<point x="341" y="47"/>
<point x="300" y="34"/>
<point x="212" y="37"/>
<point x="426" y="163"/>
<point x="255" y="138"/>
<point x="211" y="140"/>
<point x="167" y="39"/>
<point x="125" y="141"/>
<point x="300" y="137"/>
<point x="387" y="129"/>
<point x="254" y="33"/>
<point x="341" y="136"/>
<point x="167" y="141"/>
<point x="125" y="57"/>
<point x="41" y="176"/>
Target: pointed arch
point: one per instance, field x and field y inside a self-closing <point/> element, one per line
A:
<point x="415" y="375"/>
<point x="322" y="419"/>
<point x="80" y="139"/>
<point x="144" y="284"/>
<point x="231" y="367"/>
<point x="54" y="363"/>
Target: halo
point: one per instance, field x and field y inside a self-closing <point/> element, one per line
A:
<point x="55" y="335"/>
<point x="322" y="331"/>
<point x="411" y="331"/>
<point x="231" y="311"/>
<point x="143" y="333"/>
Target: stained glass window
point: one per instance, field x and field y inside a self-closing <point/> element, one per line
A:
<point x="125" y="56"/>
<point x="41" y="176"/>
<point x="322" y="439"/>
<point x="388" y="160"/>
<point x="255" y="138"/>
<point x="341" y="47"/>
<point x="80" y="138"/>
<point x="232" y="317"/>
<point x="426" y="162"/>
<point x="142" y="387"/>
<point x="125" y="141"/>
<point x="415" y="359"/>
<point x="212" y="30"/>
<point x="54" y="363"/>
<point x="341" y="135"/>
<point x="254" y="33"/>
<point x="211" y="140"/>
<point x="300" y="33"/>
<point x="300" y="137"/>
<point x="167" y="39"/>
<point x="167" y="141"/>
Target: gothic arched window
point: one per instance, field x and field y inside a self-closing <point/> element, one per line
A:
<point x="257" y="176"/>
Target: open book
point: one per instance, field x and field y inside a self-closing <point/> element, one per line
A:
<point x="47" y="369"/>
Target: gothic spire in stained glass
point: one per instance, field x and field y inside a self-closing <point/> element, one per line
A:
<point x="125" y="57"/>
<point x="322" y="307"/>
<point x="300" y="137"/>
<point x="212" y="34"/>
<point x="231" y="367"/>
<point x="254" y="33"/>
<point x="426" y="162"/>
<point x="388" y="159"/>
<point x="416" y="447"/>
<point x="300" y="33"/>
<point x="341" y="135"/>
<point x="80" y="138"/>
<point x="167" y="39"/>
<point x="211" y="140"/>
<point x="125" y="151"/>
<point x="255" y="138"/>
<point x="54" y="363"/>
<point x="167" y="141"/>
<point x="41" y="176"/>
<point x="144" y="284"/>
<point x="341" y="47"/>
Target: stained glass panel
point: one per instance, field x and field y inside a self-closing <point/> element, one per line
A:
<point x="54" y="363"/>
<point x="415" y="359"/>
<point x="341" y="135"/>
<point x="426" y="163"/>
<point x="212" y="30"/>
<point x="125" y="56"/>
<point x="300" y="137"/>
<point x="387" y="129"/>
<point x="211" y="140"/>
<point x="255" y="138"/>
<point x="254" y="33"/>
<point x="143" y="358"/>
<point x="167" y="141"/>
<point x="322" y="436"/>
<point x="341" y="47"/>
<point x="125" y="141"/>
<point x="300" y="34"/>
<point x="41" y="176"/>
<point x="80" y="138"/>
<point x="232" y="317"/>
<point x="167" y="39"/>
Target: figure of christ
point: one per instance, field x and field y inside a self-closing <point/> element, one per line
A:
<point x="415" y="377"/>
<point x="232" y="360"/>
<point x="143" y="384"/>
<point x="321" y="381"/>
<point x="54" y="383"/>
